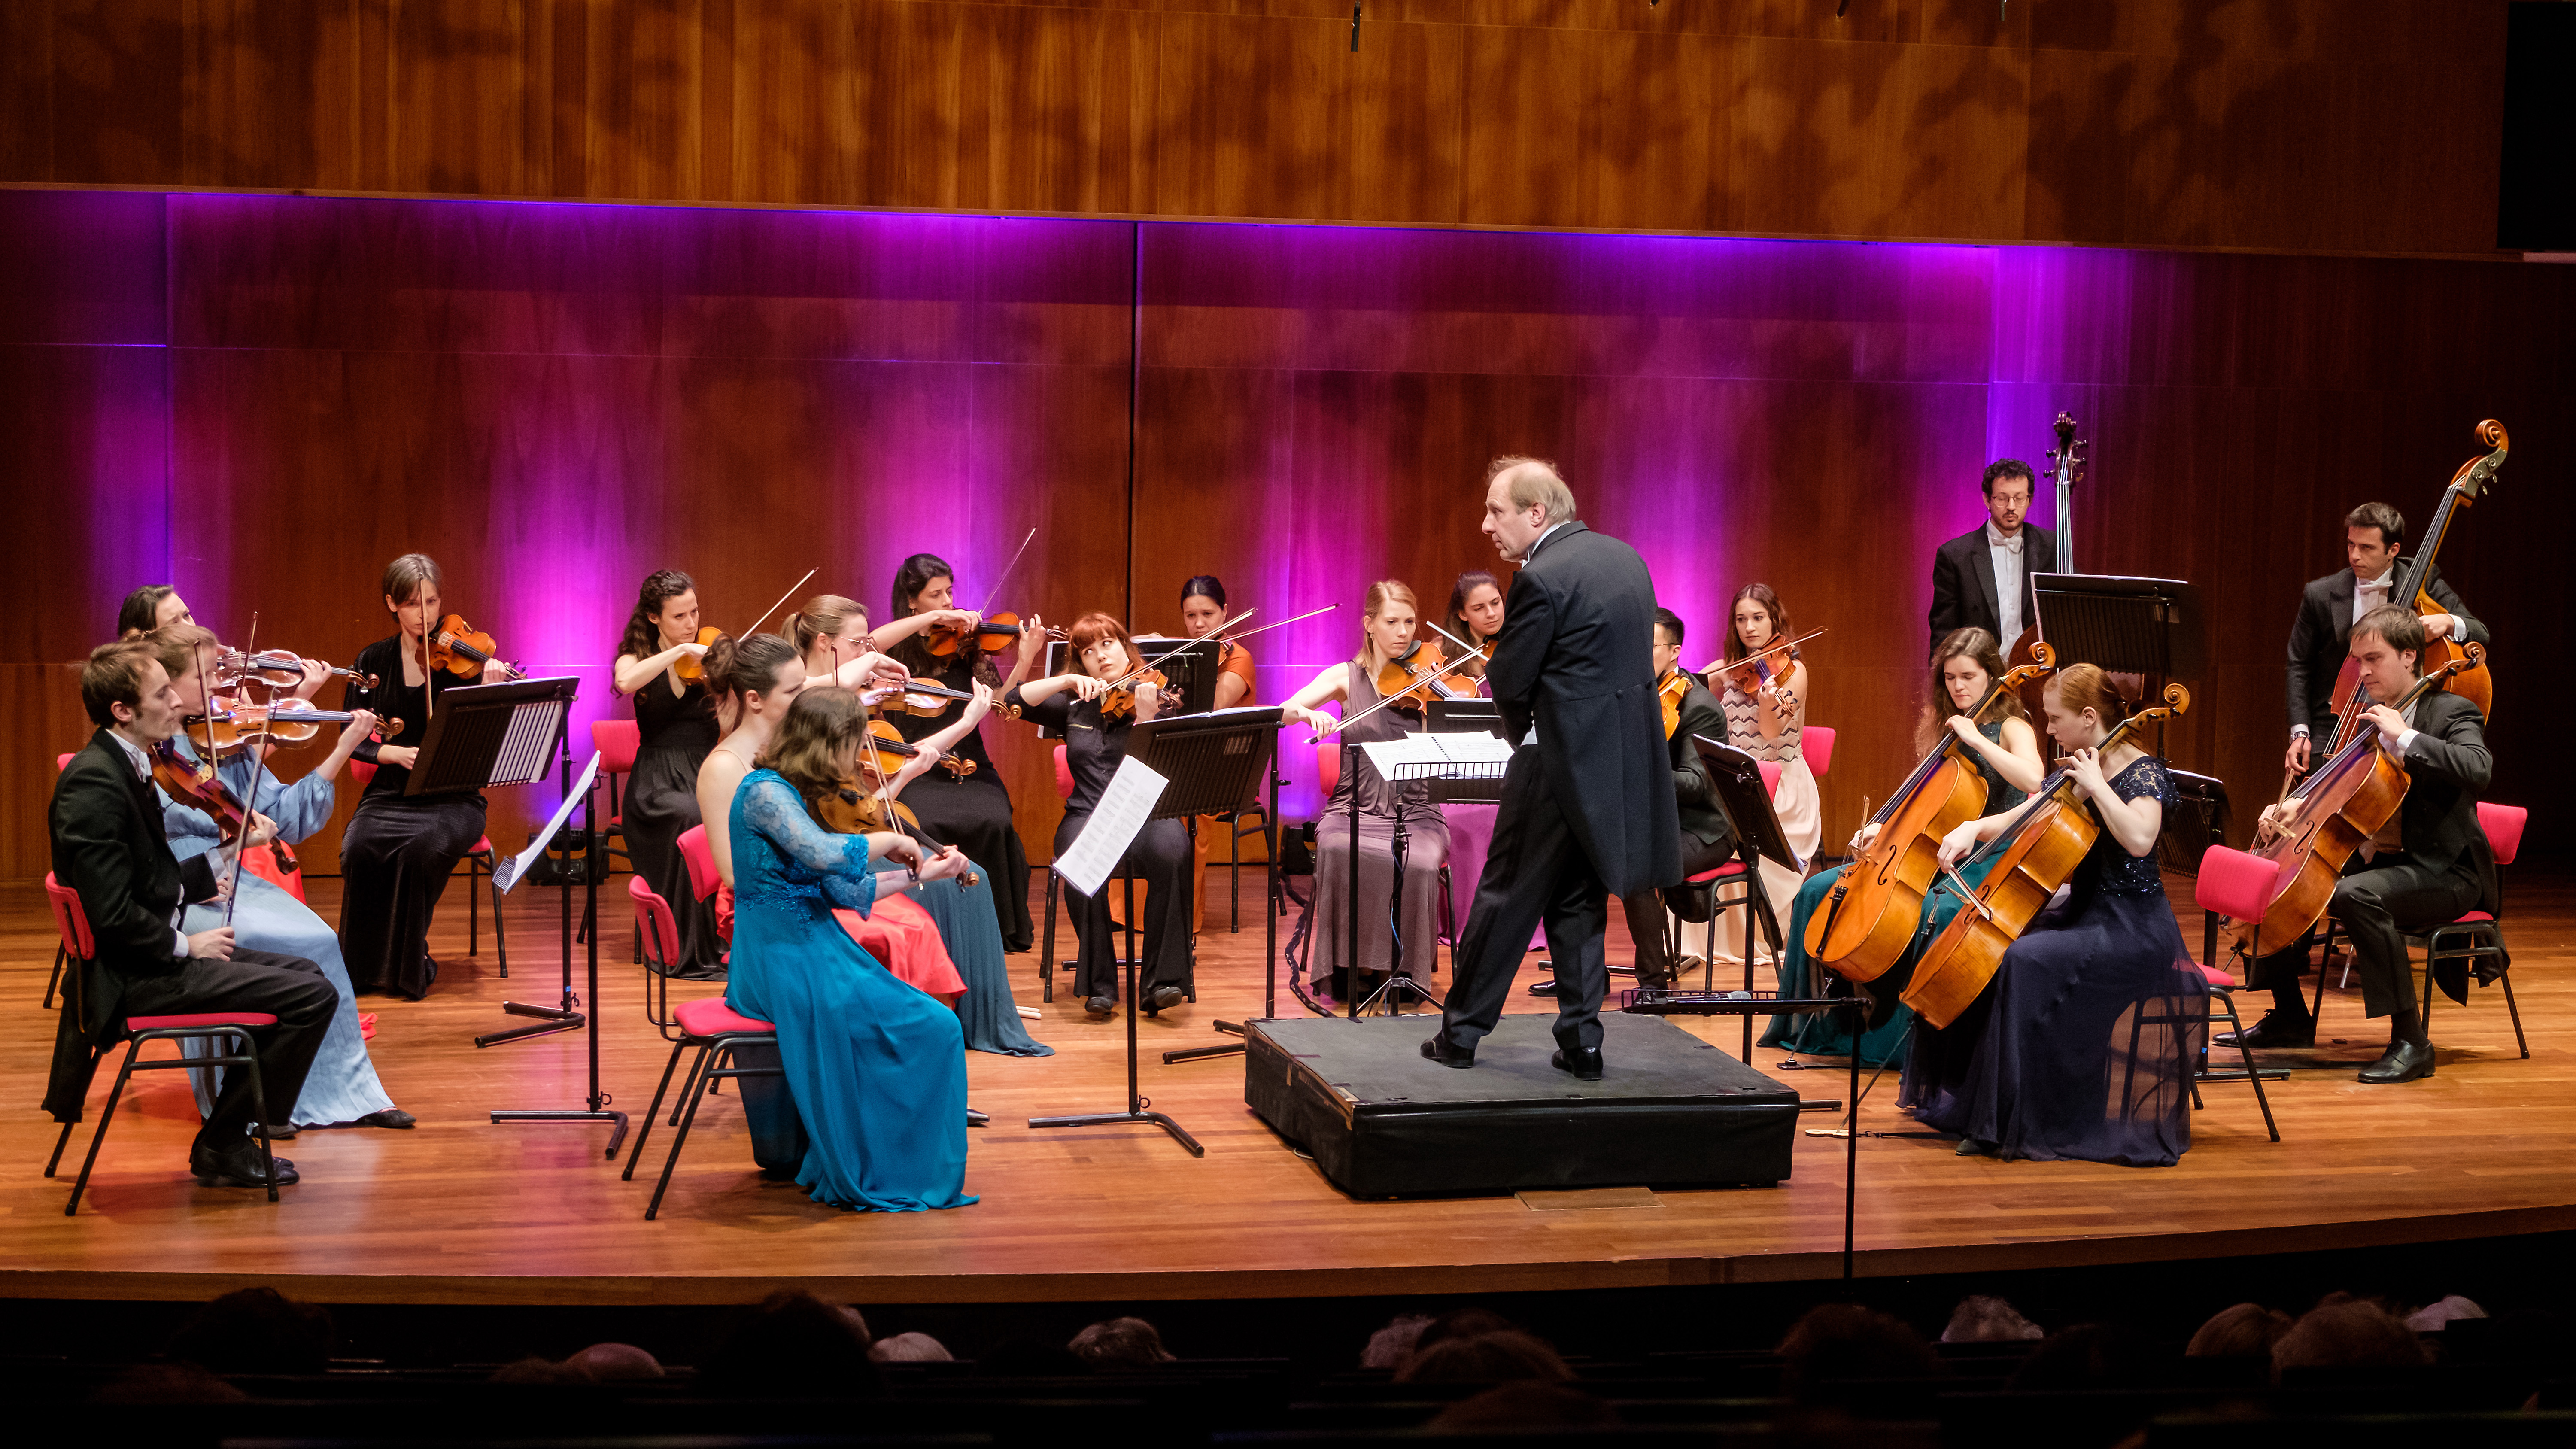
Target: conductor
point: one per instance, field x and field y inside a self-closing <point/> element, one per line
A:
<point x="1587" y="810"/>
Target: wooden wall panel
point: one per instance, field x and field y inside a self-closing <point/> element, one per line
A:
<point x="2321" y="125"/>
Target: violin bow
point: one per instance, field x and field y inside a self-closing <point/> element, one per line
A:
<point x="1723" y="663"/>
<point x="1274" y="624"/>
<point x="1437" y="675"/>
<point x="1144" y="667"/>
<point x="995" y="591"/>
<point x="782" y="598"/>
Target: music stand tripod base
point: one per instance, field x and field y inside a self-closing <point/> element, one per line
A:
<point x="1137" y="1108"/>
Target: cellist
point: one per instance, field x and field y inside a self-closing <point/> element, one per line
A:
<point x="2428" y="866"/>
<point x="1689" y="709"/>
<point x="2372" y="536"/>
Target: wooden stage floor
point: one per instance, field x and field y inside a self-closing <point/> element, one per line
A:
<point x="463" y="1211"/>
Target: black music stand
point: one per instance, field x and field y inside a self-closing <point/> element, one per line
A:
<point x="1270" y="954"/>
<point x="1745" y="801"/>
<point x="512" y="729"/>
<point x="1209" y="763"/>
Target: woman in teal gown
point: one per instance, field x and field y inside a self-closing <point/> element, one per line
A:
<point x="877" y="1069"/>
<point x="2005" y="754"/>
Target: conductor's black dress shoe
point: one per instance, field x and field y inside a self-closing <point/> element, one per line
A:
<point x="2404" y="1063"/>
<point x="1583" y="1062"/>
<point x="1438" y="1049"/>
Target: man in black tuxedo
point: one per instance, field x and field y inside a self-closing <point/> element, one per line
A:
<point x="1966" y="571"/>
<point x="1705" y="839"/>
<point x="109" y="846"/>
<point x="2430" y="866"/>
<point x="1587" y="808"/>
<point x="2372" y="536"/>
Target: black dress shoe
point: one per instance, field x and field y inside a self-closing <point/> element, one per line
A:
<point x="2404" y="1063"/>
<point x="2274" y="1032"/>
<point x="237" y="1166"/>
<point x="1167" y="997"/>
<point x="1437" y="1048"/>
<point x="1101" y="1008"/>
<point x="277" y="1132"/>
<point x="1585" y="1063"/>
<point x="389" y="1117"/>
<point x="1979" y="1147"/>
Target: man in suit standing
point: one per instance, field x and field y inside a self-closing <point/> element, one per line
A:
<point x="108" y="845"/>
<point x="1587" y="809"/>
<point x="2372" y="536"/>
<point x="1982" y="577"/>
<point x="1705" y="839"/>
<point x="2428" y="866"/>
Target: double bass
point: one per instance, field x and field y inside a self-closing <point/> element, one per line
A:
<point x="2473" y="683"/>
<point x="2038" y="853"/>
<point x="2344" y="803"/>
<point x="1877" y="900"/>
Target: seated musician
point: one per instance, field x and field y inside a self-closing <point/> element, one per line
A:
<point x="153" y="606"/>
<point x="1202" y="609"/>
<point x="2026" y="1070"/>
<point x="1387" y="634"/>
<point x="2428" y="866"/>
<point x="108" y="846"/>
<point x="1706" y="841"/>
<point x="2372" y="536"/>
<point x="2005" y="751"/>
<point x="1095" y="741"/>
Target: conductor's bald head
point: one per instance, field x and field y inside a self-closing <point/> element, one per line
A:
<point x="1524" y="498"/>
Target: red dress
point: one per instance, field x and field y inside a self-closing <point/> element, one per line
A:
<point x="897" y="932"/>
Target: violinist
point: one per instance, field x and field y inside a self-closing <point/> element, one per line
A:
<point x="341" y="1087"/>
<point x="2373" y="534"/>
<point x="1982" y="578"/>
<point x="1202" y="609"/>
<point x="1095" y="741"/>
<point x="1764" y="696"/>
<point x="2005" y="751"/>
<point x="1476" y="617"/>
<point x="398" y="851"/>
<point x="1706" y="840"/>
<point x="971" y="811"/>
<point x="105" y="824"/>
<point x="2023" y="1071"/>
<point x="2431" y="863"/>
<point x="675" y="726"/>
<point x="831" y="635"/>
<point x="1387" y="636"/>
<point x="153" y="606"/>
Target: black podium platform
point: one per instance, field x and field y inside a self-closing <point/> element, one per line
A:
<point x="1382" y="1121"/>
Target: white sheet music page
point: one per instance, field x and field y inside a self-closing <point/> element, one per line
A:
<point x="1123" y="810"/>
<point x="508" y="873"/>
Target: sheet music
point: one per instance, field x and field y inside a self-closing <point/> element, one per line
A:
<point x="508" y="872"/>
<point x="1440" y="752"/>
<point x="1123" y="810"/>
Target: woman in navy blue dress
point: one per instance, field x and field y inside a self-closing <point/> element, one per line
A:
<point x="2081" y="1045"/>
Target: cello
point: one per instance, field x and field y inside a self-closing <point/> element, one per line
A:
<point x="1877" y="900"/>
<point x="2035" y="855"/>
<point x="2346" y="802"/>
<point x="2473" y="683"/>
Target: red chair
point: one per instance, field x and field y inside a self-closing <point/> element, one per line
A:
<point x="617" y="741"/>
<point x="700" y="857"/>
<point x="2237" y="885"/>
<point x="2478" y="935"/>
<point x="659" y="932"/>
<point x="215" y="1028"/>
<point x="478" y="871"/>
<point x="717" y="1031"/>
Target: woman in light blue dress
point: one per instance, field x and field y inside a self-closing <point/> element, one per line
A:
<point x="877" y="1069"/>
<point x="342" y="1087"/>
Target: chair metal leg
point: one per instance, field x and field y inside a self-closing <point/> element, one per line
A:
<point x="2262" y="1100"/>
<point x="644" y="1127"/>
<point x="2506" y="981"/>
<point x="688" y="1119"/>
<point x="60" y="1141"/>
<point x="106" y="1115"/>
<point x="500" y="941"/>
<point x="61" y="953"/>
<point x="258" y="1107"/>
<point x="473" y="904"/>
<point x="689" y="1083"/>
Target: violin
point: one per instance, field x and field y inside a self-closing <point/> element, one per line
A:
<point x="2345" y="802"/>
<point x="689" y="667"/>
<point x="277" y="668"/>
<point x="461" y="649"/>
<point x="195" y="784"/>
<point x="991" y="634"/>
<point x="1419" y="675"/>
<point x="857" y="805"/>
<point x="915" y="698"/>
<point x="1754" y="672"/>
<point x="1672" y="691"/>
<point x="243" y="725"/>
<point x="2037" y="854"/>
<point x="1119" y="701"/>
<point x="2473" y="683"/>
<point x="1877" y="900"/>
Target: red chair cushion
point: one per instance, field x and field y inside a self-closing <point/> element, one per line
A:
<point x="69" y="919"/>
<point x="2218" y="977"/>
<point x="2475" y="918"/>
<point x="1064" y="776"/>
<point x="482" y="846"/>
<point x="1816" y="747"/>
<point x="709" y="1016"/>
<point x="203" y="1018"/>
<point x="2235" y="884"/>
<point x="617" y="740"/>
<point x="701" y="859"/>
<point x="363" y="771"/>
<point x="1732" y="867"/>
<point x="1770" y="776"/>
<point x="653" y="919"/>
<point x="2503" y="825"/>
